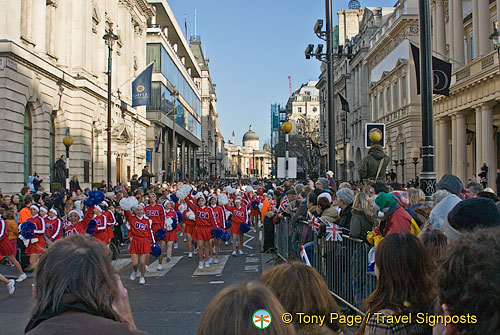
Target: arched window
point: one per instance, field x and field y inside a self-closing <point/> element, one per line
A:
<point x="52" y="148"/>
<point x="27" y="142"/>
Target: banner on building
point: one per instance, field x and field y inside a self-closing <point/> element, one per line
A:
<point x="441" y="72"/>
<point x="374" y="134"/>
<point x="141" y="88"/>
<point x="345" y="103"/>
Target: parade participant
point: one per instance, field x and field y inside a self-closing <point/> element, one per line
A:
<point x="8" y="250"/>
<point x="53" y="226"/>
<point x="181" y="207"/>
<point x="156" y="213"/>
<point x="101" y="222"/>
<point x="110" y="220"/>
<point x="141" y="239"/>
<point x="10" y="284"/>
<point x="43" y="212"/>
<point x="220" y="221"/>
<point x="170" y="222"/>
<point x="37" y="243"/>
<point x="254" y="211"/>
<point x="239" y="216"/>
<point x="77" y="225"/>
<point x="190" y="223"/>
<point x="205" y="222"/>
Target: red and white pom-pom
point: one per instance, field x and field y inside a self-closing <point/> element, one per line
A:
<point x="183" y="191"/>
<point x="222" y="199"/>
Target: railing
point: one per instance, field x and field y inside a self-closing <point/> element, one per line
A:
<point x="342" y="264"/>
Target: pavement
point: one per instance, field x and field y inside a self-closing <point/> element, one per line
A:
<point x="172" y="301"/>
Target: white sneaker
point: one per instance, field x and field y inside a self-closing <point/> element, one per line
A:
<point x="234" y="253"/>
<point x="207" y="264"/>
<point x="21" y="278"/>
<point x="254" y="230"/>
<point x="200" y="265"/>
<point x="147" y="268"/>
<point x="160" y="267"/>
<point x="226" y="243"/>
<point x="213" y="250"/>
<point x="181" y="234"/>
<point x="210" y="260"/>
<point x="133" y="276"/>
<point x="185" y="239"/>
<point x="190" y="255"/>
<point x="216" y="261"/>
<point x="176" y="245"/>
<point x="142" y="281"/>
<point x="241" y="252"/>
<point x="11" y="286"/>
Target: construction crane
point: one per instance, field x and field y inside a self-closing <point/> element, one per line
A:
<point x="290" y="85"/>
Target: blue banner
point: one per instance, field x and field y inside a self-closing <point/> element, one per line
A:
<point x="141" y="88"/>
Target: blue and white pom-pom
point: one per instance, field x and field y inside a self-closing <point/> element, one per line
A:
<point x="183" y="191"/>
<point x="156" y="250"/>
<point x="161" y="234"/>
<point x="168" y="223"/>
<point x="94" y="198"/>
<point x="173" y="198"/>
<point x="91" y="228"/>
<point x="225" y="236"/>
<point x="174" y="225"/>
<point x="255" y="204"/>
<point x="245" y="227"/>
<point x="179" y="216"/>
<point x="127" y="204"/>
<point x="26" y="229"/>
<point x="217" y="233"/>
<point x="222" y="199"/>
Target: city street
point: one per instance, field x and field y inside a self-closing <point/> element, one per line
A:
<point x="172" y="301"/>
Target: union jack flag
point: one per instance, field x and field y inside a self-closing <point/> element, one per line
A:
<point x="315" y="222"/>
<point x="333" y="232"/>
<point x="284" y="204"/>
<point x="303" y="256"/>
<point x="273" y="205"/>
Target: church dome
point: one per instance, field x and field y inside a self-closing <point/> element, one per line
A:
<point x="251" y="139"/>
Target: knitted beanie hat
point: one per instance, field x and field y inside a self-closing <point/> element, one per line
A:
<point x="383" y="202"/>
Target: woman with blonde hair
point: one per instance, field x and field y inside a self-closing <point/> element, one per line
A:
<point x="301" y="289"/>
<point x="232" y="311"/>
<point x="363" y="216"/>
<point x="416" y="207"/>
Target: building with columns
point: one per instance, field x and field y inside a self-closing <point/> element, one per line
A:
<point x="247" y="160"/>
<point x="53" y="82"/>
<point x="466" y="123"/>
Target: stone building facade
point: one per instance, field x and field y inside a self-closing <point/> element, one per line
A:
<point x="53" y="64"/>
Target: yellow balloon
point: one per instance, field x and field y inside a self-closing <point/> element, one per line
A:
<point x="375" y="135"/>
<point x="287" y="127"/>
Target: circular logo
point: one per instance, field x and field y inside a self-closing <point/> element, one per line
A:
<point x="261" y="319"/>
<point x="140" y="88"/>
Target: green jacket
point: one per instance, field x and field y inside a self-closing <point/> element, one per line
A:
<point x="370" y="164"/>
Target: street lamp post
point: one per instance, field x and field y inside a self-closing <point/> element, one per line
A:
<point x="287" y="128"/>
<point x="110" y="39"/>
<point x="203" y="159"/>
<point x="239" y="170"/>
<point x="215" y="155"/>
<point x="415" y="162"/>
<point x="396" y="164"/>
<point x="173" y="166"/>
<point x="402" y="163"/>
<point x="67" y="141"/>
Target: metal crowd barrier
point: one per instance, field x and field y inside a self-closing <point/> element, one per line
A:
<point x="342" y="264"/>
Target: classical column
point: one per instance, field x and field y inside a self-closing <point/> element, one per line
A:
<point x="433" y="22"/>
<point x="487" y="143"/>
<point x="439" y="29"/>
<point x="484" y="27"/>
<point x="454" y="145"/>
<point x="461" y="148"/>
<point x="438" y="152"/>
<point x="479" y="148"/>
<point x="457" y="22"/>
<point x="475" y="27"/>
<point x="444" y="156"/>
<point x="38" y="23"/>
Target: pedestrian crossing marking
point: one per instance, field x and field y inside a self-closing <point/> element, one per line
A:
<point x="214" y="269"/>
<point x="251" y="268"/>
<point x="250" y="237"/>
<point x="252" y="260"/>
<point x="166" y="267"/>
<point x="120" y="263"/>
<point x="217" y="282"/>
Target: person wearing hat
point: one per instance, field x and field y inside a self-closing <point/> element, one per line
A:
<point x="8" y="250"/>
<point x="453" y="185"/>
<point x="101" y="222"/>
<point x="53" y="226"/>
<point x="156" y="213"/>
<point x="37" y="243"/>
<point x="239" y="216"/>
<point x="470" y="214"/>
<point x="395" y="219"/>
<point x="171" y="238"/>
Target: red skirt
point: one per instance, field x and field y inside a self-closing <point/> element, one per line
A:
<point x="235" y="228"/>
<point x="36" y="247"/>
<point x="255" y="212"/>
<point x="172" y="235"/>
<point x="102" y="236"/>
<point x="6" y="247"/>
<point x="139" y="246"/>
<point x="202" y="233"/>
<point x="189" y="228"/>
<point x="109" y="232"/>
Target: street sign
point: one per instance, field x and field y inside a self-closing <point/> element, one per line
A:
<point x="292" y="167"/>
<point x="374" y="134"/>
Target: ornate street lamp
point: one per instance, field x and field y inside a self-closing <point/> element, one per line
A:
<point x="402" y="163"/>
<point x="67" y="141"/>
<point x="396" y="164"/>
<point x="415" y="162"/>
<point x="110" y="39"/>
<point x="215" y="154"/>
<point x="287" y="127"/>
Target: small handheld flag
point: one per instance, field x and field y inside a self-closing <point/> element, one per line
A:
<point x="333" y="232"/>
<point x="284" y="204"/>
<point x="303" y="256"/>
<point x="141" y="88"/>
<point x="315" y="222"/>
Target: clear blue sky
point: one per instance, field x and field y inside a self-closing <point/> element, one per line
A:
<point x="253" y="47"/>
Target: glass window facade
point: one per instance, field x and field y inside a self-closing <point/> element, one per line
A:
<point x="165" y="65"/>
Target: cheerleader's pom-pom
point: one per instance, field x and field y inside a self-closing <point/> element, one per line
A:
<point x="249" y="189"/>
<point x="179" y="216"/>
<point x="161" y="234"/>
<point x="155" y="250"/>
<point x="169" y="223"/>
<point x="190" y="215"/>
<point x="217" y="233"/>
<point x="261" y="205"/>
<point x="183" y="191"/>
<point x="225" y="236"/>
<point x="222" y="199"/>
<point x="94" y="198"/>
<point x="228" y="224"/>
<point x="195" y="192"/>
<point x="255" y="204"/>
<point x="227" y="189"/>
<point x="245" y="227"/>
<point x="27" y="229"/>
<point x="173" y="198"/>
<point x="127" y="204"/>
<point x="183" y="207"/>
<point x="91" y="228"/>
<point x="174" y="225"/>
<point x="213" y="232"/>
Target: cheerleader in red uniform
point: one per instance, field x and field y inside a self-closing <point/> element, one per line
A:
<point x="189" y="224"/>
<point x="254" y="211"/>
<point x="239" y="216"/>
<point x="205" y="222"/>
<point x="181" y="205"/>
<point x="37" y="242"/>
<point x="110" y="220"/>
<point x="53" y="226"/>
<point x="101" y="222"/>
<point x="170" y="218"/>
<point x="220" y="221"/>
<point x="8" y="250"/>
<point x="77" y="225"/>
<point x="156" y="213"/>
<point x="141" y="240"/>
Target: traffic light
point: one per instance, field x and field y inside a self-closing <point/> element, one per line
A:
<point x="374" y="134"/>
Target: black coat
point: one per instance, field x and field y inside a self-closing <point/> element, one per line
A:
<point x="61" y="173"/>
